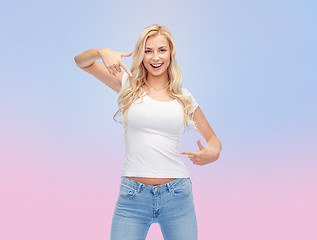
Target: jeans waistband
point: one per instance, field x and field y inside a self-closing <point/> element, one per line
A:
<point x="159" y="188"/>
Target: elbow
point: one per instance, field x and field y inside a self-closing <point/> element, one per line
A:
<point x="219" y="149"/>
<point x="76" y="61"/>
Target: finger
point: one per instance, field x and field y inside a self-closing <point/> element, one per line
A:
<point x="194" y="157"/>
<point x="118" y="69"/>
<point x="186" y="152"/>
<point x="109" y="70"/>
<point x="126" y="54"/>
<point x="195" y="162"/>
<point x="126" y="69"/>
<point x="190" y="155"/>
<point x="113" y="70"/>
<point x="199" y="144"/>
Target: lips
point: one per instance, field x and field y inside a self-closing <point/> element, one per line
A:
<point x="156" y="65"/>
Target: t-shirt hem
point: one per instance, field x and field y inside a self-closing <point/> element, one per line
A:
<point x="155" y="176"/>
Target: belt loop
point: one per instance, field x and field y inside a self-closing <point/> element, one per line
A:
<point x="139" y="187"/>
<point x="169" y="186"/>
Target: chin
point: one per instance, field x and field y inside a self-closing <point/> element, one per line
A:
<point x="157" y="73"/>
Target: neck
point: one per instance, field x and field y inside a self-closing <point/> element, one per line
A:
<point x="157" y="82"/>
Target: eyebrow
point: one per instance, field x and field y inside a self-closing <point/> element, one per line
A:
<point x="159" y="47"/>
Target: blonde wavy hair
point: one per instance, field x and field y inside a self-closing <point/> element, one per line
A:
<point x="131" y="92"/>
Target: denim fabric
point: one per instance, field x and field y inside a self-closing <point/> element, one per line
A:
<point x="139" y="205"/>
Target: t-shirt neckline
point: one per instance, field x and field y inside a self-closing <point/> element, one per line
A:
<point x="157" y="100"/>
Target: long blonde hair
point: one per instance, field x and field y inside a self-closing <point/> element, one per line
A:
<point x="131" y="92"/>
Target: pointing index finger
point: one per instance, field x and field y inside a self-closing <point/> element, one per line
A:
<point x="186" y="152"/>
<point x="126" y="69"/>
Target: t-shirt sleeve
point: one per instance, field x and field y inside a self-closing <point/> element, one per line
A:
<point x="124" y="79"/>
<point x="194" y="104"/>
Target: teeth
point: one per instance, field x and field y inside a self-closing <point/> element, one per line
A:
<point x="156" y="65"/>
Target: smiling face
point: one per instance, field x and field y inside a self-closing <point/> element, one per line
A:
<point x="156" y="55"/>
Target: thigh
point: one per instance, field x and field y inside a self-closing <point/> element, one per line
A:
<point x="123" y="228"/>
<point x="130" y="218"/>
<point x="178" y="218"/>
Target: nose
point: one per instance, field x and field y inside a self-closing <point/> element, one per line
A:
<point x="155" y="56"/>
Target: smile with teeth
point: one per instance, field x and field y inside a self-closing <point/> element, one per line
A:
<point x="157" y="65"/>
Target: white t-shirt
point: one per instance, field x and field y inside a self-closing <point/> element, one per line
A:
<point x="152" y="138"/>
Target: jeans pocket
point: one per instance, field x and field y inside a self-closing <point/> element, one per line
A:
<point x="183" y="190"/>
<point x="127" y="191"/>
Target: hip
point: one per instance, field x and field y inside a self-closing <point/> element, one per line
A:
<point x="151" y="181"/>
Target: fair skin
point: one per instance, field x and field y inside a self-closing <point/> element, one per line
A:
<point x="157" y="51"/>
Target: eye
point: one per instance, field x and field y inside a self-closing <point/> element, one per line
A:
<point x="147" y="51"/>
<point x="163" y="50"/>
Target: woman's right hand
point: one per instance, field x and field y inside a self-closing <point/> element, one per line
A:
<point x="112" y="60"/>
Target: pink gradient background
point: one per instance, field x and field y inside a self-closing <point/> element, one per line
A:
<point x="253" y="76"/>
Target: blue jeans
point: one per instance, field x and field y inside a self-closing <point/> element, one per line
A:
<point x="139" y="205"/>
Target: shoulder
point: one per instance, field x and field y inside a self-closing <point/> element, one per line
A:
<point x="124" y="79"/>
<point x="186" y="92"/>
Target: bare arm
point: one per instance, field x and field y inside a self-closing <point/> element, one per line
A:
<point x="109" y="72"/>
<point x="87" y="58"/>
<point x="208" y="154"/>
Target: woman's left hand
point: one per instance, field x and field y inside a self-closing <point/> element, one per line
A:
<point x="204" y="156"/>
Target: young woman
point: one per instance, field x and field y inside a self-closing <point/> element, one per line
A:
<point x="155" y="184"/>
